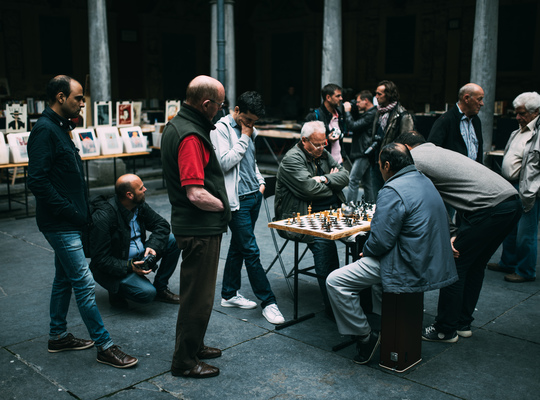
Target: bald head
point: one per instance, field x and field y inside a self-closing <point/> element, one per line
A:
<point x="206" y="94"/>
<point x="471" y="99"/>
<point x="129" y="189"/>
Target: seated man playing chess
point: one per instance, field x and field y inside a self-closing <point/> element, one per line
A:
<point x="309" y="176"/>
<point x="407" y="251"/>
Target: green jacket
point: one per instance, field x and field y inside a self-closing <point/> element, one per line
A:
<point x="186" y="218"/>
<point x="295" y="190"/>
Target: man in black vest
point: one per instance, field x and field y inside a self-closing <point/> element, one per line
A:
<point x="200" y="214"/>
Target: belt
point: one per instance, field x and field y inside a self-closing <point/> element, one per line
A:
<point x="247" y="196"/>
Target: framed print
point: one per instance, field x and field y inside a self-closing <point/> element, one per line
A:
<point x="17" y="145"/>
<point x="137" y="109"/>
<point x="171" y="108"/>
<point x="4" y="150"/>
<point x="86" y="141"/>
<point x="103" y="113"/>
<point x="16" y="118"/>
<point x="110" y="140"/>
<point x="134" y="139"/>
<point x="124" y="113"/>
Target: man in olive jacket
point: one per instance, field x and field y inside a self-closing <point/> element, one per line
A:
<point x="309" y="176"/>
<point x="118" y="244"/>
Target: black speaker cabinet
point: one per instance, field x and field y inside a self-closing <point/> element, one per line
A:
<point x="401" y="330"/>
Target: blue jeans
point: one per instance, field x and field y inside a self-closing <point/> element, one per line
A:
<point x="520" y="247"/>
<point x="72" y="272"/>
<point x="244" y="247"/>
<point x="326" y="260"/>
<point x="361" y="171"/>
<point x="139" y="289"/>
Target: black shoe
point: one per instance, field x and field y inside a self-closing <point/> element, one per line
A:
<point x="431" y="334"/>
<point x="367" y="350"/>
<point x="70" y="342"/>
<point x="115" y="357"/>
<point x="464" y="331"/>
<point x="118" y="301"/>
<point x="166" y="296"/>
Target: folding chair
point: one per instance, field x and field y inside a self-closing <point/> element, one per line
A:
<point x="270" y="191"/>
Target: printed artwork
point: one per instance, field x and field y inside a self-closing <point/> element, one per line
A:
<point x="124" y="114"/>
<point x="16" y="118"/>
<point x="171" y="109"/>
<point x="103" y="113"/>
<point x="86" y="141"/>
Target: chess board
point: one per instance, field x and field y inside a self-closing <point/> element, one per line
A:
<point x="324" y="224"/>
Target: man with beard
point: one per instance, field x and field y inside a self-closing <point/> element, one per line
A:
<point x="118" y="246"/>
<point x="56" y="178"/>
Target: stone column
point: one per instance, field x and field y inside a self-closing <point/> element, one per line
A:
<point x="230" y="65"/>
<point x="100" y="171"/>
<point x="484" y="61"/>
<point x="331" y="71"/>
<point x="100" y="66"/>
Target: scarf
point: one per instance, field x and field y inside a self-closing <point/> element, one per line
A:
<point x="384" y="113"/>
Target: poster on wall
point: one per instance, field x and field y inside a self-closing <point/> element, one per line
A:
<point x="124" y="113"/>
<point x="86" y="141"/>
<point x="16" y="118"/>
<point x="134" y="139"/>
<point x="103" y="113"/>
<point x="137" y="109"/>
<point x="17" y="145"/>
<point x="110" y="140"/>
<point x="171" y="109"/>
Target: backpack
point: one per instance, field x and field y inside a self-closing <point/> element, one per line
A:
<point x="100" y="202"/>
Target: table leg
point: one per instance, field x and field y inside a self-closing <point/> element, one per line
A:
<point x="295" y="319"/>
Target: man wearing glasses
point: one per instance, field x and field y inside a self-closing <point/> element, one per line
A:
<point x="309" y="176"/>
<point x="200" y="213"/>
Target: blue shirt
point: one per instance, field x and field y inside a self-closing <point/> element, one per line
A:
<point x="469" y="135"/>
<point x="136" y="246"/>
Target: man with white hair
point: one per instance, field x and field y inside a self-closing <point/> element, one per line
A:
<point x="460" y="129"/>
<point x="521" y="167"/>
<point x="309" y="176"/>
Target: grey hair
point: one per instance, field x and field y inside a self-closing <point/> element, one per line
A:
<point x="469" y="88"/>
<point x="311" y="127"/>
<point x="530" y="100"/>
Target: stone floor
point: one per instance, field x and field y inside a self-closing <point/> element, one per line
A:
<point x="500" y="361"/>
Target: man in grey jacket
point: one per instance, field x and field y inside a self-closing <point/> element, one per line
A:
<point x="233" y="140"/>
<point x="408" y="249"/>
<point x="488" y="208"/>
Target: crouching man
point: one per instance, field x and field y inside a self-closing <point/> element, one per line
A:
<point x="407" y="251"/>
<point x="122" y="256"/>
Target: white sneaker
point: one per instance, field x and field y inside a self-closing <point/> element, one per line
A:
<point x="238" y="301"/>
<point x="273" y="315"/>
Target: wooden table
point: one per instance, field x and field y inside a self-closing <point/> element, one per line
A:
<point x="24" y="165"/>
<point x="334" y="234"/>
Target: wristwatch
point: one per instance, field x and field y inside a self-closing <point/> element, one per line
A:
<point x="325" y="180"/>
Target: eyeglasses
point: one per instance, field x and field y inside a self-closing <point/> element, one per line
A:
<point x="318" y="146"/>
<point x="220" y="105"/>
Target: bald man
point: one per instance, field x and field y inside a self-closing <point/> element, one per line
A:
<point x="119" y="244"/>
<point x="200" y="214"/>
<point x="460" y="129"/>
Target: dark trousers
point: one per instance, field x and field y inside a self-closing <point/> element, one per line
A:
<point x="480" y="234"/>
<point x="198" y="272"/>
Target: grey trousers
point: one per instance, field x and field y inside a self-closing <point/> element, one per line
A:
<point x="344" y="286"/>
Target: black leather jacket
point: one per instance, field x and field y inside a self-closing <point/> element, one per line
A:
<point x="110" y="237"/>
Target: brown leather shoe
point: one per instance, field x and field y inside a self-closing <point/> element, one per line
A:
<point x="199" y="371"/>
<point x="208" y="352"/>
<point x="500" y="268"/>
<point x="115" y="357"/>
<point x="166" y="296"/>
<point x="70" y="342"/>
<point x="515" y="278"/>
